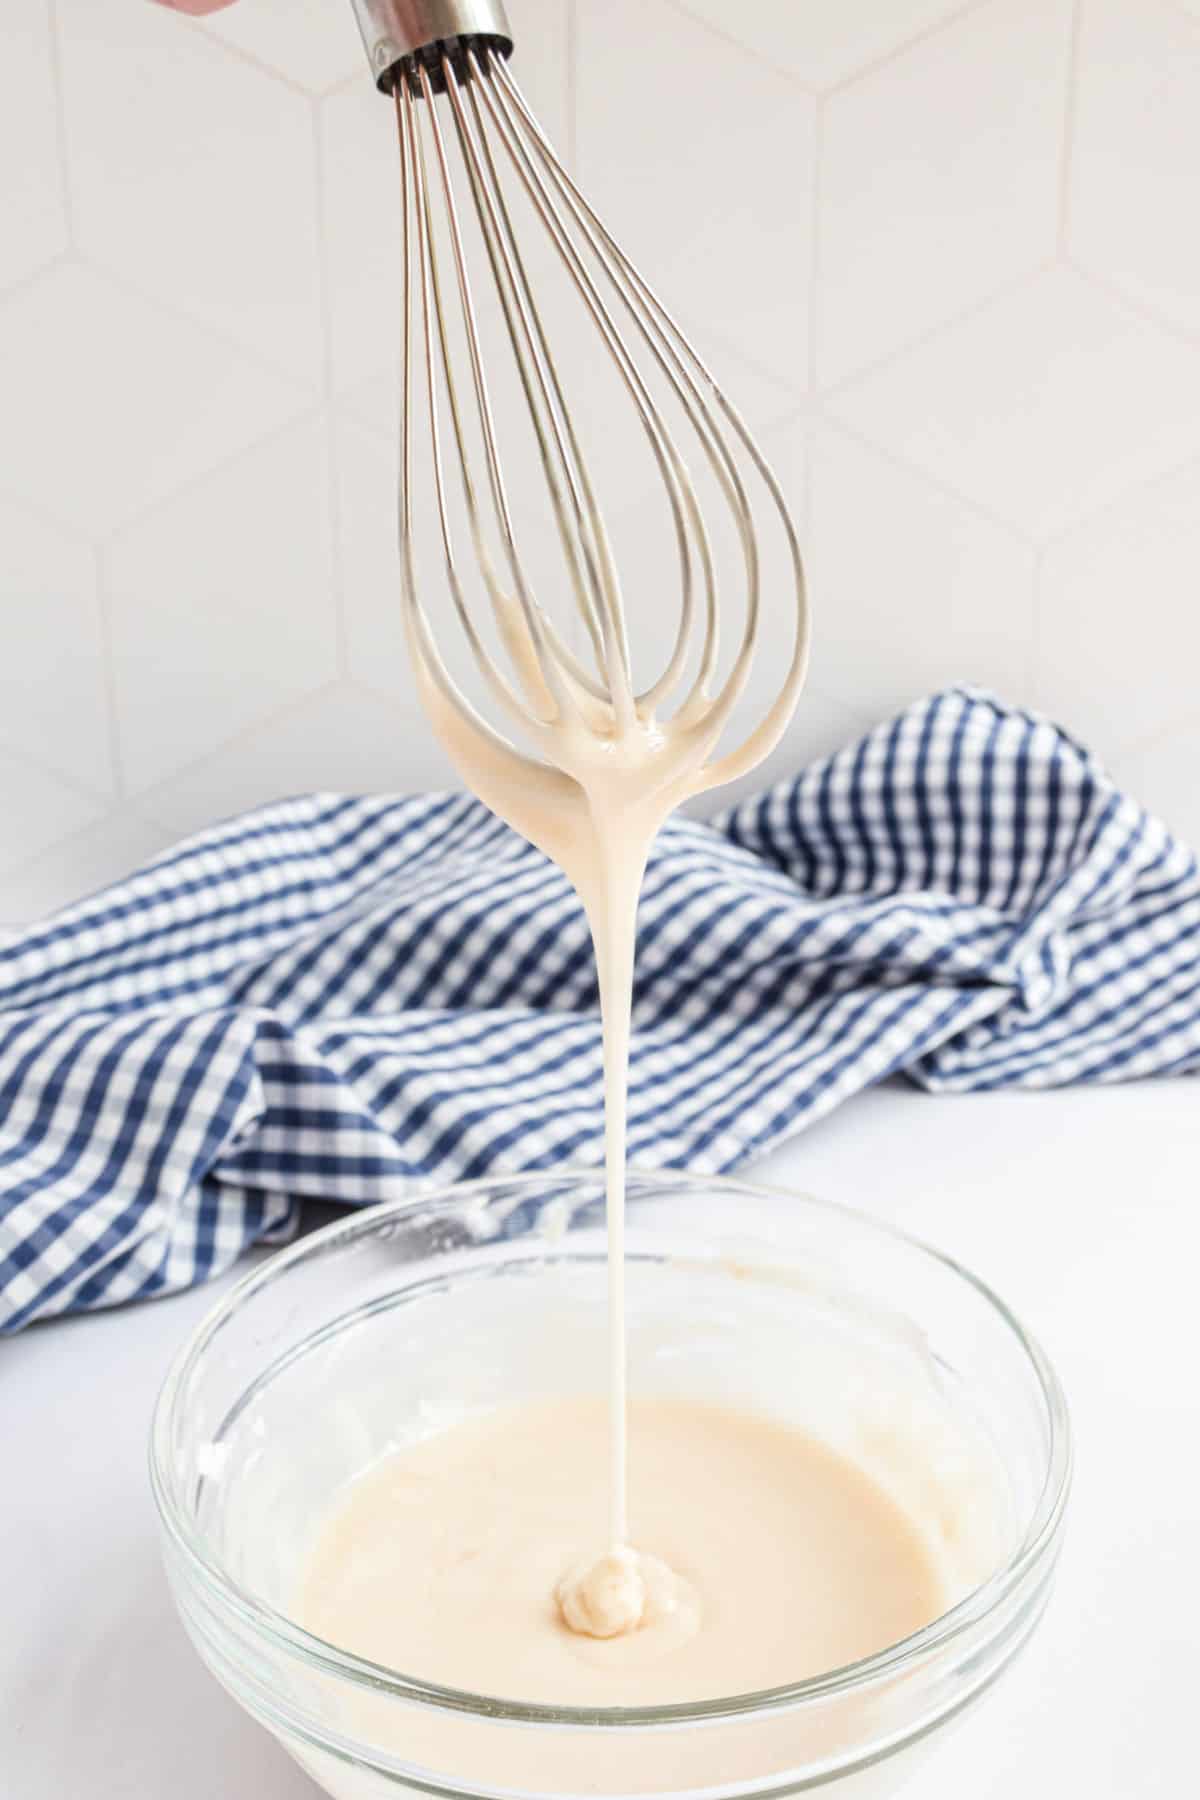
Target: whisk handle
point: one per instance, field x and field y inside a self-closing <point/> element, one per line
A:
<point x="399" y="34"/>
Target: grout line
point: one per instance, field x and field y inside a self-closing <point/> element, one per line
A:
<point x="143" y="799"/>
<point x="1145" y="484"/>
<point x="916" y="472"/>
<point x="305" y="402"/>
<point x="13" y="290"/>
<point x="60" y="120"/>
<point x="737" y="43"/>
<point x="14" y="752"/>
<point x="1070" y="113"/>
<point x="1129" y="303"/>
<point x="345" y="84"/>
<point x="69" y="529"/>
<point x="964" y="316"/>
<point x="28" y="864"/>
<point x="814" y="271"/>
<point x="726" y="359"/>
<point x="328" y="395"/>
<point x="247" y="57"/>
<point x="294" y="422"/>
<point x="387" y="702"/>
<point x="108" y="664"/>
<point x="803" y="414"/>
<point x="717" y="347"/>
<point x="926" y="32"/>
<point x="198" y="322"/>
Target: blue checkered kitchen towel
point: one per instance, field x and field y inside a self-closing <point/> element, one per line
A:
<point x="350" y="997"/>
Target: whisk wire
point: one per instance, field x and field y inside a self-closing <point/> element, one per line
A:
<point x="728" y="767"/>
<point x="547" y="668"/>
<point x="661" y="335"/>
<point x="433" y="313"/>
<point x="490" y="112"/>
<point x="594" y="587"/>
<point x="681" y="494"/>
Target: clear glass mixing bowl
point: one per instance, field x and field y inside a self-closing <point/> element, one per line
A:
<point x="400" y="1318"/>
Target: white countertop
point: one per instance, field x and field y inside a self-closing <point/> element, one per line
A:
<point x="1082" y="1207"/>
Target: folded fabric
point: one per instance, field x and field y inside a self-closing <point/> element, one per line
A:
<point x="350" y="998"/>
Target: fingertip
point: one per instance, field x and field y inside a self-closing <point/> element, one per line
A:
<point x="197" y="8"/>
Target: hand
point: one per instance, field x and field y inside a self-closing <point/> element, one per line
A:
<point x="196" y="7"/>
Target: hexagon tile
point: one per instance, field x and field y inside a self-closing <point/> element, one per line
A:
<point x="339" y="740"/>
<point x="940" y="593"/>
<point x="822" y="45"/>
<point x="91" y="858"/>
<point x="1042" y="406"/>
<point x="703" y="160"/>
<point x="939" y="178"/>
<point x="194" y="177"/>
<point x="222" y="605"/>
<point x="31" y="188"/>
<point x="111" y="402"/>
<point x="1137" y="149"/>
<point x="52" y="694"/>
<point x="360" y="183"/>
<point x="371" y="569"/>
<point x="310" y="42"/>
<point x="1162" y="773"/>
<point x="39" y="809"/>
<point x="1119" y="631"/>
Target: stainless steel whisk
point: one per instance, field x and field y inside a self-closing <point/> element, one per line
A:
<point x="469" y="146"/>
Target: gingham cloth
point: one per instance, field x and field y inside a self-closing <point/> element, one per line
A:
<point x="351" y="997"/>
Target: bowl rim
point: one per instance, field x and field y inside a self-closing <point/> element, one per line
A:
<point x="1038" y="1539"/>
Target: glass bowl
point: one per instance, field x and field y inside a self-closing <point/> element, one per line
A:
<point x="399" y="1319"/>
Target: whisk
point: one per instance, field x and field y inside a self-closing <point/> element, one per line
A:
<point x="471" y="153"/>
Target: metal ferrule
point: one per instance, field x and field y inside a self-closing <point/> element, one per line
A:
<point x="401" y="36"/>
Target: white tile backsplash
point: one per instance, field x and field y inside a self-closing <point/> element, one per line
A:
<point x="702" y="157"/>
<point x="360" y="201"/>
<point x="968" y="196"/>
<point x="940" y="593"/>
<point x="340" y="740"/>
<point x="31" y="177"/>
<point x="53" y="698"/>
<point x="1133" y="186"/>
<point x="1119" y="637"/>
<point x="307" y="42"/>
<point x="193" y="177"/>
<point x="978" y="215"/>
<point x="376" y="656"/>
<point x="1162" y="775"/>
<point x="113" y="402"/>
<point x="1044" y="406"/>
<point x="39" y="810"/>
<point x="823" y="44"/>
<point x="85" y="861"/>
<point x="220" y="605"/>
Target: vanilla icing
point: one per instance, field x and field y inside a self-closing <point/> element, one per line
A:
<point x="607" y="775"/>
